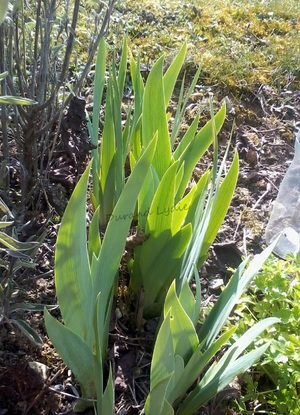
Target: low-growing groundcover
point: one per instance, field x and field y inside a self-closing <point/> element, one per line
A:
<point x="274" y="292"/>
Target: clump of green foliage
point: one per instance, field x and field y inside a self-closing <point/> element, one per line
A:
<point x="274" y="292"/>
<point x="178" y="224"/>
<point x="238" y="44"/>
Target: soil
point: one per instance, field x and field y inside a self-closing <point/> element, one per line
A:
<point x="33" y="380"/>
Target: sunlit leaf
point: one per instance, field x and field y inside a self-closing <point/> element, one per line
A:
<point x="75" y="353"/>
<point x="28" y="331"/>
<point x="154" y="118"/>
<point x="74" y="290"/>
<point x="5" y="224"/>
<point x="3" y="75"/>
<point x="14" y="244"/>
<point x="8" y="99"/>
<point x="180" y="323"/>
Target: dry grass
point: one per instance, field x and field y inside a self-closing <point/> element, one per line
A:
<point x="239" y="44"/>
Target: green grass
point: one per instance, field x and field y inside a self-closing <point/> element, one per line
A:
<point x="239" y="44"/>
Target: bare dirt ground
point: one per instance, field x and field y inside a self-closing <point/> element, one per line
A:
<point x="34" y="380"/>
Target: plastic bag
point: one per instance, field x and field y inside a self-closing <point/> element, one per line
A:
<point x="285" y="216"/>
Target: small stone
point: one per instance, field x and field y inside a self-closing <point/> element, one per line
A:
<point x="216" y="283"/>
<point x="40" y="368"/>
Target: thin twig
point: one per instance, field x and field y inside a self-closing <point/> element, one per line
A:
<point x="261" y="197"/>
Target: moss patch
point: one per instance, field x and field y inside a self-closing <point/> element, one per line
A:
<point x="239" y="44"/>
